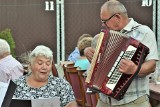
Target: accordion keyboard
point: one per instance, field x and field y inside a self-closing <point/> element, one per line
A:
<point x="114" y="74"/>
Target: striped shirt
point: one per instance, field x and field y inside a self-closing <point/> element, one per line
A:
<point x="10" y="68"/>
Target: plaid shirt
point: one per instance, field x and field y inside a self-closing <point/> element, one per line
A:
<point x="139" y="85"/>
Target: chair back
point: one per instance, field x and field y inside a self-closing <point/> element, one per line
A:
<point x="91" y="98"/>
<point x="76" y="84"/>
<point x="68" y="67"/>
<point x="94" y="99"/>
<point x="66" y="64"/>
<point x="54" y="70"/>
<point x="88" y="102"/>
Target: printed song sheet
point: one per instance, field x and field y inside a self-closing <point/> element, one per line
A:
<point x="49" y="102"/>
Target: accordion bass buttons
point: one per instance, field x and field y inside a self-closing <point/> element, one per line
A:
<point x="106" y="91"/>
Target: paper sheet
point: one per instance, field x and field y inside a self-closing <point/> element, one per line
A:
<point x="49" y="102"/>
<point x="3" y="90"/>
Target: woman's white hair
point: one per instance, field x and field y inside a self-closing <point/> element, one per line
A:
<point x="41" y="50"/>
<point x="4" y="47"/>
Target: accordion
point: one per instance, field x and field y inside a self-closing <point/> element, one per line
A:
<point x="103" y="74"/>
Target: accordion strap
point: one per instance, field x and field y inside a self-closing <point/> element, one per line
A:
<point x="141" y="61"/>
<point x="133" y="28"/>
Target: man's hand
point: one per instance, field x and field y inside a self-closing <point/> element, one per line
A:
<point x="127" y="66"/>
<point x="88" y="52"/>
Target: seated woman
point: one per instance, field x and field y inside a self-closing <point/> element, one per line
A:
<point x="76" y="54"/>
<point x="38" y="84"/>
<point x="82" y="62"/>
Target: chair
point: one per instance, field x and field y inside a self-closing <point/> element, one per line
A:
<point x="88" y="102"/>
<point x="76" y="84"/>
<point x="91" y="98"/>
<point x="94" y="99"/>
<point x="64" y="64"/>
<point x="66" y="67"/>
<point x="54" y="70"/>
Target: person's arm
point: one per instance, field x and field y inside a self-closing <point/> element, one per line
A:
<point x="72" y="104"/>
<point x="4" y="77"/>
<point x="147" y="68"/>
<point x="128" y="67"/>
<point x="88" y="52"/>
<point x="74" y="55"/>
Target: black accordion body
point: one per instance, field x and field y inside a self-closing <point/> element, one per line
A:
<point x="103" y="75"/>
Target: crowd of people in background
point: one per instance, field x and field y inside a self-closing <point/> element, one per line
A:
<point x="82" y="62"/>
<point x="38" y="83"/>
<point x="76" y="54"/>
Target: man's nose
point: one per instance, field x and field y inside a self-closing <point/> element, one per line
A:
<point x="103" y="24"/>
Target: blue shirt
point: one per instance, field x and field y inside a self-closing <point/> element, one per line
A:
<point x="74" y="55"/>
<point x="83" y="64"/>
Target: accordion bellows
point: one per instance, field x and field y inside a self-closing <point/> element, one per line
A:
<point x="103" y="75"/>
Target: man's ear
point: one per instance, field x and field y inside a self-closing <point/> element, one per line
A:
<point x="118" y="16"/>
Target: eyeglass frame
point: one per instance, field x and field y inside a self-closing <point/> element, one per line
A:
<point x="106" y="20"/>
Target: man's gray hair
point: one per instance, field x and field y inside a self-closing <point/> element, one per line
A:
<point x="41" y="50"/>
<point x="4" y="47"/>
<point x="114" y="6"/>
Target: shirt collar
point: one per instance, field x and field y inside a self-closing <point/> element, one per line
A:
<point x="129" y="26"/>
<point x="6" y="58"/>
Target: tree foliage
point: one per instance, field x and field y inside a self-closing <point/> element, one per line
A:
<point x="7" y="35"/>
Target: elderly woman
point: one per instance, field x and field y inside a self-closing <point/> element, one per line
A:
<point x="38" y="84"/>
<point x="82" y="62"/>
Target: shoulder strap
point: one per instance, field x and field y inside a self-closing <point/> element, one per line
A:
<point x="133" y="28"/>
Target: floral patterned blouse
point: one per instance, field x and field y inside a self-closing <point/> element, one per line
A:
<point x="56" y="87"/>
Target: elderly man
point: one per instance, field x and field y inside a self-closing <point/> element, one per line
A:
<point x="114" y="17"/>
<point x="10" y="68"/>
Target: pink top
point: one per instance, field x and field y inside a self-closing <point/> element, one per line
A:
<point x="10" y="68"/>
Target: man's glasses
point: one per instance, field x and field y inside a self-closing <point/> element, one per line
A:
<point x="104" y="21"/>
